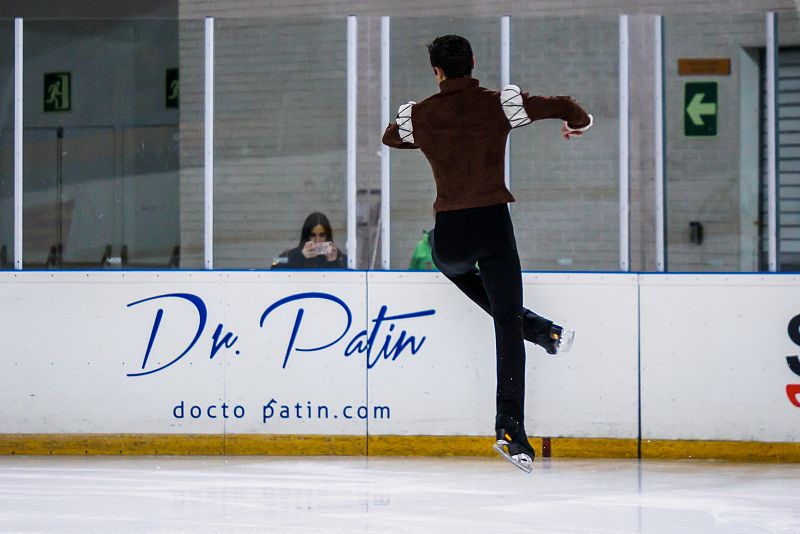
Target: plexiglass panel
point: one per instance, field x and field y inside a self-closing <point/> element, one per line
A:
<point x="567" y="212"/>
<point x="6" y="144"/>
<point x="714" y="69"/>
<point x="280" y="142"/>
<point x="788" y="213"/>
<point x="191" y="158"/>
<point x="101" y="143"/>
<point x="413" y="189"/>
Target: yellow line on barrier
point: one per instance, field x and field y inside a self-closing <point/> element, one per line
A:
<point x="182" y="444"/>
<point x="592" y="448"/>
<point x="431" y="446"/>
<point x="739" y="451"/>
<point x="482" y="446"/>
<point x="292" y="445"/>
<point x="135" y="444"/>
<point x="326" y="445"/>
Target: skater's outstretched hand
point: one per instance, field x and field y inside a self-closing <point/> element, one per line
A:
<point x="566" y="132"/>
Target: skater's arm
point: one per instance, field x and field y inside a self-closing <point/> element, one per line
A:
<point x="557" y="107"/>
<point x="391" y="137"/>
<point x="521" y="109"/>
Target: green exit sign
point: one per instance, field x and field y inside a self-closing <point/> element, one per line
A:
<point x="700" y="109"/>
<point x="57" y="91"/>
<point x="173" y="88"/>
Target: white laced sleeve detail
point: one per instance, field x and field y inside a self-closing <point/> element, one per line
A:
<point x="511" y="100"/>
<point x="404" y="122"/>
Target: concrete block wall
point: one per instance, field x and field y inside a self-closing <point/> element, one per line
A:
<point x="567" y="215"/>
<point x="703" y="174"/>
<point x="280" y="136"/>
<point x="6" y="138"/>
<point x="280" y="131"/>
<point x="413" y="188"/>
<point x="191" y="208"/>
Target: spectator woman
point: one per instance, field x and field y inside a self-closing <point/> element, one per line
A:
<point x="316" y="249"/>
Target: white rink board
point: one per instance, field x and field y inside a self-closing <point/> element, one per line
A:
<point x="316" y="387"/>
<point x="590" y="391"/>
<point x="448" y="388"/>
<point x="71" y="341"/>
<point x="714" y="351"/>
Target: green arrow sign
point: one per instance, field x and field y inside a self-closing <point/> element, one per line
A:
<point x="700" y="109"/>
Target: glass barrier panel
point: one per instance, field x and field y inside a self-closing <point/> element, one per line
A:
<point x="714" y="69"/>
<point x="191" y="141"/>
<point x="413" y="188"/>
<point x="280" y="143"/>
<point x="6" y="144"/>
<point x="566" y="216"/>
<point x="788" y="142"/>
<point x="101" y="151"/>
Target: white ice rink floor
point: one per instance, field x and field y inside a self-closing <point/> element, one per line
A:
<point x="393" y="495"/>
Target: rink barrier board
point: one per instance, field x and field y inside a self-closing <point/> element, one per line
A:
<point x="591" y="394"/>
<point x="418" y="446"/>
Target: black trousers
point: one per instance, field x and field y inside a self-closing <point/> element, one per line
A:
<point x="485" y="236"/>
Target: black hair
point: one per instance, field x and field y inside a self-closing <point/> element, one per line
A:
<point x="452" y="54"/>
<point x="311" y="221"/>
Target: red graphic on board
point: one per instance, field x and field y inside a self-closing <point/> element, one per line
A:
<point x="793" y="392"/>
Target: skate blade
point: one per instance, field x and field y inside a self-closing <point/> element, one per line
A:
<point x="522" y="460"/>
<point x="565" y="343"/>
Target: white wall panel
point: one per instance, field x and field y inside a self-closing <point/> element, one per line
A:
<point x="316" y="386"/>
<point x="714" y="353"/>
<point x="449" y="386"/>
<point x="590" y="391"/>
<point x="70" y="341"/>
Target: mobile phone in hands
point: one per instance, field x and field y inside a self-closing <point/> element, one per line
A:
<point x="321" y="249"/>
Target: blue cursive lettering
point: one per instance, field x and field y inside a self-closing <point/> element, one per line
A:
<point x="365" y="341"/>
<point x="392" y="346"/>
<point x="299" y="319"/>
<point x="201" y="313"/>
<point x="226" y="341"/>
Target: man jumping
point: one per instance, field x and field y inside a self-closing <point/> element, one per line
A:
<point x="462" y="131"/>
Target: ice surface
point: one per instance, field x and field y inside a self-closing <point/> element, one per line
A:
<point x="394" y="495"/>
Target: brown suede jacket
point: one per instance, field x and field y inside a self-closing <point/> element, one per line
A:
<point x="462" y="131"/>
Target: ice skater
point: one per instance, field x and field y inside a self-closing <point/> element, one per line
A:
<point x="462" y="131"/>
